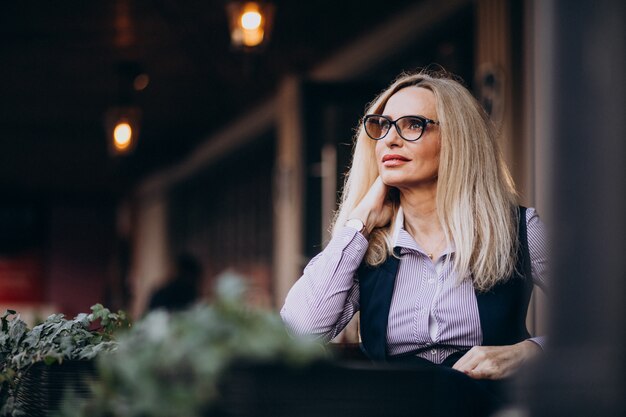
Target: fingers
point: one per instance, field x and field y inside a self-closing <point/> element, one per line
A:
<point x="486" y="369"/>
<point x="490" y="362"/>
<point x="378" y="192"/>
<point x="469" y="361"/>
<point x="382" y="211"/>
<point x="476" y="364"/>
<point x="373" y="210"/>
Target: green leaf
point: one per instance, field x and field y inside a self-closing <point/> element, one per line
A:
<point x="4" y="319"/>
<point x="49" y="360"/>
<point x="54" y="340"/>
<point x="170" y="363"/>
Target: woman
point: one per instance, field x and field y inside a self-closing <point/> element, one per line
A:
<point x="429" y="242"/>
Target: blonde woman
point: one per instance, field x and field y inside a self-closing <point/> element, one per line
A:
<point x="429" y="243"/>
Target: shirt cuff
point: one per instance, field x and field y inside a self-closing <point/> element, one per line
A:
<point x="350" y="242"/>
<point x="539" y="341"/>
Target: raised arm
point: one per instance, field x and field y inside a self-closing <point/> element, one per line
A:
<point x="326" y="296"/>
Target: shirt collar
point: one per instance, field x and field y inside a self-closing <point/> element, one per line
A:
<point x="401" y="238"/>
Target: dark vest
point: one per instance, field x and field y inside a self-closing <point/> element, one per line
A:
<point x="502" y="310"/>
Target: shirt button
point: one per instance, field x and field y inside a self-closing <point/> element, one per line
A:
<point x="358" y="247"/>
<point x="434" y="351"/>
<point x="431" y="281"/>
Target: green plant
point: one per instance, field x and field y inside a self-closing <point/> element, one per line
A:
<point x="170" y="364"/>
<point x="55" y="340"/>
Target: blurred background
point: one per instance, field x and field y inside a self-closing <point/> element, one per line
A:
<point x="237" y="152"/>
<point x="136" y="131"/>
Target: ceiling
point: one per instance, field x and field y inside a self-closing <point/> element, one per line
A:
<point x="64" y="64"/>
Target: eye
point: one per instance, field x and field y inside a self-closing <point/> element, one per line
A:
<point x="376" y="126"/>
<point x="414" y="124"/>
<point x="379" y="121"/>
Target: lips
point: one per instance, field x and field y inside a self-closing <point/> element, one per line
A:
<point x="391" y="160"/>
<point x="395" y="157"/>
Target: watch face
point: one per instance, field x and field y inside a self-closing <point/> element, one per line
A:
<point x="355" y="224"/>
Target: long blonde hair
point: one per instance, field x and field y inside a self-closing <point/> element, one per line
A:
<point x="476" y="199"/>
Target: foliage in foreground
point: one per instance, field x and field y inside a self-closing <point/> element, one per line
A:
<point x="55" y="340"/>
<point x="169" y="364"/>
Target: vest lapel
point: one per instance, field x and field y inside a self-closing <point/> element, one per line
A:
<point x="376" y="290"/>
<point x="503" y="309"/>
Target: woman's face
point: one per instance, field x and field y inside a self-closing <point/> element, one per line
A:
<point x="404" y="164"/>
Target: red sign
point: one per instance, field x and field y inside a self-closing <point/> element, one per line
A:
<point x="21" y="278"/>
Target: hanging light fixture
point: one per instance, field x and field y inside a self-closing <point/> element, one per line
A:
<point x="122" y="121"/>
<point x="122" y="129"/>
<point x="250" y="23"/>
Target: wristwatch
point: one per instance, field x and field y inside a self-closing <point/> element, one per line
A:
<point x="356" y="224"/>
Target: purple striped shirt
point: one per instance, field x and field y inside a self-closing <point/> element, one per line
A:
<point x="428" y="309"/>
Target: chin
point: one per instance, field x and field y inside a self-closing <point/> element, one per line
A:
<point x="399" y="180"/>
<point x="392" y="179"/>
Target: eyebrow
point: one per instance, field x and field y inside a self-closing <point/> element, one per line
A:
<point x="407" y="115"/>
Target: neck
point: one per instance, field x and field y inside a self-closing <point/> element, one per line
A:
<point x="420" y="212"/>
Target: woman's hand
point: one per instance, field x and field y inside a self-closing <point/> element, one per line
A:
<point x="496" y="362"/>
<point x="374" y="210"/>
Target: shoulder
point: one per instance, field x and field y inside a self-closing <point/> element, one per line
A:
<point x="537" y="234"/>
<point x="534" y="223"/>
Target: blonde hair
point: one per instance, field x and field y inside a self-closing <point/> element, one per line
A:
<point x="476" y="199"/>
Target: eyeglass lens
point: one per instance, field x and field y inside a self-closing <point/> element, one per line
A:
<point x="410" y="128"/>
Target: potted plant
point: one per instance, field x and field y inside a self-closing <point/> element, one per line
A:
<point x="37" y="365"/>
<point x="171" y="364"/>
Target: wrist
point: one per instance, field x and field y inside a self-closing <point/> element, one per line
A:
<point x="358" y="224"/>
<point x="529" y="348"/>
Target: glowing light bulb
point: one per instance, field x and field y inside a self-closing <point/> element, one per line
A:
<point x="251" y="20"/>
<point x="122" y="135"/>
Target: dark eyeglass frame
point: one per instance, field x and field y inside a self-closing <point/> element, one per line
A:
<point x="424" y="120"/>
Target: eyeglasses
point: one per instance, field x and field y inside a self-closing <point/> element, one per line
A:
<point x="409" y="128"/>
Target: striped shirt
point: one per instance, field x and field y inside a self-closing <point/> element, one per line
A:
<point x="430" y="311"/>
